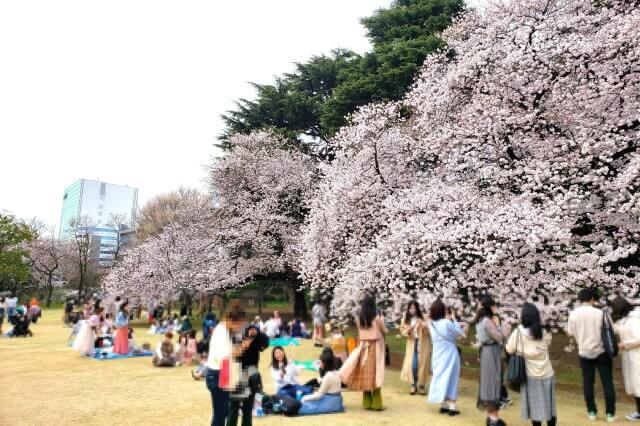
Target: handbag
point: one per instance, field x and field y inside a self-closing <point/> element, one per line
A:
<point x="609" y="340"/>
<point x="517" y="369"/>
<point x="225" y="373"/>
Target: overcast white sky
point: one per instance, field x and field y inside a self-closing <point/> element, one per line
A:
<point x="130" y="92"/>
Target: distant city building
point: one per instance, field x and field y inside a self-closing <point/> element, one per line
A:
<point x="98" y="201"/>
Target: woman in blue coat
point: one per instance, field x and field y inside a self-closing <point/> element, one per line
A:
<point x="445" y="360"/>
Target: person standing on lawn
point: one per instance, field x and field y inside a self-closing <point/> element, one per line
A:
<point x="491" y="335"/>
<point x="219" y="356"/>
<point x="538" y="393"/>
<point x="585" y="325"/>
<point x="364" y="369"/>
<point x="417" y="356"/>
<point x="248" y="343"/>
<point x="121" y="338"/>
<point x="627" y="326"/>
<point x="445" y="361"/>
<point x="319" y="314"/>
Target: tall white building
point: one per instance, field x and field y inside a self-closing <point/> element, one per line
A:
<point x="98" y="201"/>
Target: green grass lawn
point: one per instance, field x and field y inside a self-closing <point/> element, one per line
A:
<point x="43" y="382"/>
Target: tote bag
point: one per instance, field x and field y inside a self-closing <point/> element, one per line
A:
<point x="225" y="373"/>
<point x="517" y="369"/>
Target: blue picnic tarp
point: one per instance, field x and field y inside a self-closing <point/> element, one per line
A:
<point x="284" y="341"/>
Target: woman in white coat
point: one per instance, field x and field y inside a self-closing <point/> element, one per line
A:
<point x="627" y="326"/>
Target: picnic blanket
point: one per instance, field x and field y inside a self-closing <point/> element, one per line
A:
<point x="284" y="341"/>
<point x="307" y="365"/>
<point x="102" y="354"/>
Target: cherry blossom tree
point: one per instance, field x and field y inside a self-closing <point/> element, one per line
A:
<point x="260" y="189"/>
<point x="511" y="167"/>
<point x="249" y="228"/>
<point x="46" y="257"/>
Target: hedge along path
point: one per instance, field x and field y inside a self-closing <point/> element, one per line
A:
<point x="44" y="382"/>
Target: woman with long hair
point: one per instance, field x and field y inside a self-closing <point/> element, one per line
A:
<point x="327" y="399"/>
<point x="121" y="335"/>
<point x="86" y="338"/>
<point x="491" y="335"/>
<point x="415" y="367"/>
<point x="445" y="360"/>
<point x="285" y="375"/>
<point x="538" y="393"/>
<point x="364" y="369"/>
<point x="627" y="326"/>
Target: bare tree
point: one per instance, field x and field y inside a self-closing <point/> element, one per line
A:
<point x="46" y="254"/>
<point x="119" y="223"/>
<point x="160" y="211"/>
<point x="80" y="252"/>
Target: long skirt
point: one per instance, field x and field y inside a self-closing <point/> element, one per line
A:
<point x="85" y="340"/>
<point x="363" y="377"/>
<point x="121" y="341"/>
<point x="490" y="376"/>
<point x="329" y="403"/>
<point x="538" y="399"/>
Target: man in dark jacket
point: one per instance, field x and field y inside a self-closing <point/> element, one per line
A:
<point x="248" y="354"/>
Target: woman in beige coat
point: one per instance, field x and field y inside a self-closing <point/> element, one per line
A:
<point x="417" y="355"/>
<point x="364" y="369"/>
<point x="627" y="326"/>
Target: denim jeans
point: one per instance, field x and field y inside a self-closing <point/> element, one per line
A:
<point x="219" y="398"/>
<point x="604" y="364"/>
<point x="291" y="390"/>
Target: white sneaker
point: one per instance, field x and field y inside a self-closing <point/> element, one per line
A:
<point x="592" y="416"/>
<point x="611" y="418"/>
<point x="634" y="417"/>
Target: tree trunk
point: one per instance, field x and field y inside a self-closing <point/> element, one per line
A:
<point x="260" y="297"/>
<point x="49" y="291"/>
<point x="299" y="300"/>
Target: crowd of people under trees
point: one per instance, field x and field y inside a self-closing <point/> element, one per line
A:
<point x="228" y="353"/>
<point x="517" y="358"/>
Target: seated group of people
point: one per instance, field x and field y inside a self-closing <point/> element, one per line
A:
<point x="170" y="354"/>
<point x="274" y="327"/>
<point x="327" y="397"/>
<point x="163" y="325"/>
<point x="20" y="316"/>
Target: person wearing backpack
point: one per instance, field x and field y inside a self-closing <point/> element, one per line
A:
<point x="585" y="325"/>
<point x="538" y="392"/>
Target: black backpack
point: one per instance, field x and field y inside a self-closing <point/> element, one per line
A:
<point x="267" y="404"/>
<point x="289" y="406"/>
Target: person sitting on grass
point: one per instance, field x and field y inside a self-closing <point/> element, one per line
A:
<point x="327" y="399"/>
<point x="165" y="355"/>
<point x="201" y="370"/>
<point x="131" y="340"/>
<point x="186" y="326"/>
<point x="298" y="329"/>
<point x="34" y="312"/>
<point x="337" y="363"/>
<point x="273" y="325"/>
<point x="21" y="326"/>
<point x="285" y="375"/>
<point x="76" y="320"/>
